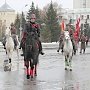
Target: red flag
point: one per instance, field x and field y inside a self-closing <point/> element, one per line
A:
<point x="78" y="25"/>
<point x="62" y="25"/>
<point x="77" y="30"/>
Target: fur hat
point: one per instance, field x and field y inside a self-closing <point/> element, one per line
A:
<point x="12" y="24"/>
<point x="32" y="16"/>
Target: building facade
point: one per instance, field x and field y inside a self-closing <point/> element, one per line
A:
<point x="81" y="9"/>
<point x="7" y="16"/>
<point x="81" y="4"/>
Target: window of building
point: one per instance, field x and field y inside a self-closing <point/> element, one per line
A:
<point x="60" y="17"/>
<point x="4" y="21"/>
<point x="0" y="22"/>
<point x="84" y="3"/>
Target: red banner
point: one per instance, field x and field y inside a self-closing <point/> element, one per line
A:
<point x="77" y="30"/>
<point x="62" y="26"/>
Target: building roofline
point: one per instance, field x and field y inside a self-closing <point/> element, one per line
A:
<point x="6" y="8"/>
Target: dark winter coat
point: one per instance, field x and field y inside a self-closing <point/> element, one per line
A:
<point x="83" y="40"/>
<point x="33" y="28"/>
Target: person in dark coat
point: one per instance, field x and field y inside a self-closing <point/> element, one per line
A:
<point x="4" y="42"/>
<point x="72" y="38"/>
<point x="87" y="40"/>
<point x="83" y="43"/>
<point x="61" y="42"/>
<point x="32" y="26"/>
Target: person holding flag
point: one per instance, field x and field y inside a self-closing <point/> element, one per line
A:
<point x="61" y="43"/>
<point x="77" y="32"/>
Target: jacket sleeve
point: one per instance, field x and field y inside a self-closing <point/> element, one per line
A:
<point x="38" y="30"/>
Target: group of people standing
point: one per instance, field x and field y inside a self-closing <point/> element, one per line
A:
<point x="75" y="40"/>
<point x="32" y="26"/>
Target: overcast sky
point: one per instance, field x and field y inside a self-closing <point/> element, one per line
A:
<point x="19" y="5"/>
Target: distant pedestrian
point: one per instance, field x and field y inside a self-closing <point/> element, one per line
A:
<point x="87" y="40"/>
<point x="83" y="43"/>
<point x="61" y="42"/>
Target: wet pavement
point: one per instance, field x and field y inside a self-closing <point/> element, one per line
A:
<point x="51" y="73"/>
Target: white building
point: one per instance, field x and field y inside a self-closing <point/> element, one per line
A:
<point x="81" y="9"/>
<point x="64" y="15"/>
<point x="83" y="14"/>
<point x="81" y="4"/>
<point x="7" y="16"/>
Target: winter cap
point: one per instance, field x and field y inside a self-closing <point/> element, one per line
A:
<point x="32" y="16"/>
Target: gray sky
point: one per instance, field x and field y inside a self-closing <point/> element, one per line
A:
<point x="19" y="5"/>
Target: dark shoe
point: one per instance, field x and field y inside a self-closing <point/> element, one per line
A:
<point x="28" y="76"/>
<point x="62" y="51"/>
<point x="4" y="47"/>
<point x="57" y="50"/>
<point x="22" y="54"/>
<point x="80" y="52"/>
<point x="42" y="53"/>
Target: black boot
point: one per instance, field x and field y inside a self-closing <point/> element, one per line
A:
<point x="4" y="47"/>
<point x="22" y="54"/>
<point x="40" y="48"/>
<point x="62" y="51"/>
<point x="41" y="52"/>
<point x="57" y="50"/>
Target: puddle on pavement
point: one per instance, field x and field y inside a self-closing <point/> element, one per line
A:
<point x="72" y="83"/>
